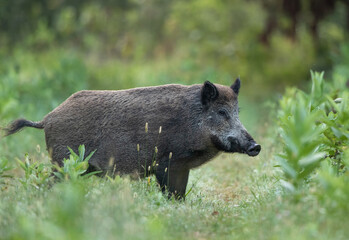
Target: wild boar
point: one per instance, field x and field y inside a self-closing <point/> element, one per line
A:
<point x="165" y="130"/>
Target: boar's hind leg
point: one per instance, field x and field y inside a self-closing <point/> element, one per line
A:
<point x="175" y="182"/>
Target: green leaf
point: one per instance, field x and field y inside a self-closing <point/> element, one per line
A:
<point x="340" y="134"/>
<point x="81" y="152"/>
<point x="311" y="159"/>
<point x="90" y="155"/>
<point x="72" y="152"/>
<point x="92" y="173"/>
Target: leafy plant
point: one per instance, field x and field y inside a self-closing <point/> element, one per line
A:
<point x="334" y="191"/>
<point x="36" y="174"/>
<point x="313" y="127"/>
<point x="75" y="166"/>
<point x="4" y="168"/>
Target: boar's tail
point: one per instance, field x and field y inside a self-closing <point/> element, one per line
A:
<point x="18" y="124"/>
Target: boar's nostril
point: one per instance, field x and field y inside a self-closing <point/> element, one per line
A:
<point x="254" y="149"/>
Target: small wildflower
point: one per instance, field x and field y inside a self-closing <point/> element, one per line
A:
<point x="149" y="168"/>
<point x="160" y="129"/>
<point x="148" y="180"/>
<point x="165" y="169"/>
<point x="146" y="127"/>
<point x="157" y="165"/>
<point x="137" y="147"/>
<point x="154" y="163"/>
<point x="170" y="156"/>
<point x="156" y="149"/>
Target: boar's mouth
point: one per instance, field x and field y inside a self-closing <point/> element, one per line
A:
<point x="251" y="148"/>
<point x="219" y="145"/>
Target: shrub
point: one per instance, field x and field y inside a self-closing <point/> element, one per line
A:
<point x="75" y="166"/>
<point x="313" y="127"/>
<point x="37" y="174"/>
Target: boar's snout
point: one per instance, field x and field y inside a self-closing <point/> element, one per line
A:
<point x="253" y="149"/>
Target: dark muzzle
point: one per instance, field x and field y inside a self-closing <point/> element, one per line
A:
<point x="253" y="149"/>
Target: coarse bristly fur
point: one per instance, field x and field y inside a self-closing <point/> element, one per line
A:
<point x="197" y="122"/>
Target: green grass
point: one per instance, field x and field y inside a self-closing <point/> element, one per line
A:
<point x="232" y="197"/>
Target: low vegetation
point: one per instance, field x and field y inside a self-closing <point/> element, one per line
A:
<point x="295" y="190"/>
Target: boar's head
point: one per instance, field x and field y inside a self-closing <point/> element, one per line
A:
<point x="221" y="119"/>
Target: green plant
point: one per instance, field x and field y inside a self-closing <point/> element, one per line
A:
<point x="334" y="191"/>
<point x="75" y="166"/>
<point x="301" y="136"/>
<point x="4" y="168"/>
<point x="37" y="174"/>
<point x="313" y="127"/>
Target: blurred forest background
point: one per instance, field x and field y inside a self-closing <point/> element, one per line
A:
<point x="50" y="49"/>
<point x="297" y="188"/>
<point x="127" y="43"/>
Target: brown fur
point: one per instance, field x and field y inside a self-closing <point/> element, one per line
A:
<point x="113" y="123"/>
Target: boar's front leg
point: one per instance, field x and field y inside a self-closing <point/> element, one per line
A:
<point x="174" y="180"/>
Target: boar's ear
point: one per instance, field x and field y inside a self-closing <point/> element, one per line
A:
<point x="209" y="93"/>
<point x="236" y="86"/>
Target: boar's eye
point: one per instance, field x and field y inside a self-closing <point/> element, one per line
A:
<point x="223" y="113"/>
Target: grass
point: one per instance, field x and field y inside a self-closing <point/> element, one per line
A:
<point x="231" y="197"/>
